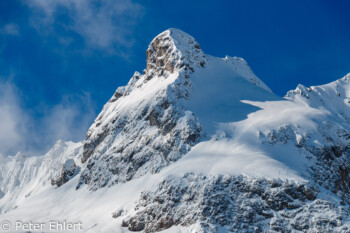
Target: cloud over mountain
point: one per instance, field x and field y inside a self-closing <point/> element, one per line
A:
<point x="104" y="25"/>
<point x="21" y="131"/>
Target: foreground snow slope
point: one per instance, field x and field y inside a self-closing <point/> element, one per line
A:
<point x="195" y="144"/>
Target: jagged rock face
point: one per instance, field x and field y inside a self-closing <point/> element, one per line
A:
<point x="327" y="150"/>
<point x="172" y="50"/>
<point x="136" y="135"/>
<point x="332" y="165"/>
<point x="139" y="150"/>
<point x="237" y="203"/>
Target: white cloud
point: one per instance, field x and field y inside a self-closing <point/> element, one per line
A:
<point x="70" y="119"/>
<point x="10" y="29"/>
<point x="103" y="24"/>
<point x="12" y="119"/>
<point x="19" y="131"/>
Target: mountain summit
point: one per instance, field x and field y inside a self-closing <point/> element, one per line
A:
<point x="195" y="143"/>
<point x="173" y="49"/>
<point x="153" y="121"/>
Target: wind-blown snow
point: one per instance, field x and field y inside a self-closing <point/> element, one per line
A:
<point x="228" y="157"/>
<point x="218" y="90"/>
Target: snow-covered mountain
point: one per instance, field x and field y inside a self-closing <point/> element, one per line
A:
<point x="195" y="144"/>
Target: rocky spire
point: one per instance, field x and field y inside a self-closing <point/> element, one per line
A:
<point x="174" y="49"/>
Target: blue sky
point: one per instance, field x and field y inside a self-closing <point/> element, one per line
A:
<point x="61" y="60"/>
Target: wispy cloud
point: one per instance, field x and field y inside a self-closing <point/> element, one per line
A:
<point x="12" y="119"/>
<point x="68" y="120"/>
<point x="103" y="24"/>
<point x="19" y="131"/>
<point x="10" y="29"/>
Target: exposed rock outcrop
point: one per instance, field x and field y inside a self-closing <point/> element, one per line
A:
<point x="69" y="170"/>
<point x="236" y="204"/>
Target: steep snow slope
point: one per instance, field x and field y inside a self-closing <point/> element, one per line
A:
<point x="218" y="88"/>
<point x="196" y="144"/>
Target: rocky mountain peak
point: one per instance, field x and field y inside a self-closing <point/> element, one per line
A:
<point x="158" y="116"/>
<point x="195" y="143"/>
<point x="174" y="49"/>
